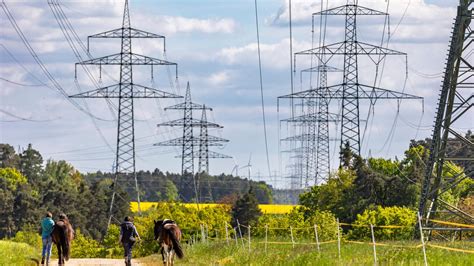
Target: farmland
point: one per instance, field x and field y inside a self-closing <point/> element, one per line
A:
<point x="265" y="208"/>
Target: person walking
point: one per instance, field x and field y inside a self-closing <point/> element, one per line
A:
<point x="128" y="237"/>
<point x="47" y="225"/>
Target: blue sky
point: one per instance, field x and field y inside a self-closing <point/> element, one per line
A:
<point x="214" y="44"/>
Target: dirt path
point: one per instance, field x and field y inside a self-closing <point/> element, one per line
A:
<point x="97" y="262"/>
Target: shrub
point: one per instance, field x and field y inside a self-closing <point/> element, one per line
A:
<point x="28" y="236"/>
<point x="385" y="216"/>
<point x="302" y="223"/>
<point x="86" y="247"/>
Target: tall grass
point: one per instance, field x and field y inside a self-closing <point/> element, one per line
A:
<point x="351" y="254"/>
<point x="12" y="253"/>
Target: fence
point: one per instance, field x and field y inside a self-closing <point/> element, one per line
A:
<point x="245" y="235"/>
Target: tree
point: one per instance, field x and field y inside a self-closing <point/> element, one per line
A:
<point x="245" y="210"/>
<point x="8" y="157"/>
<point x="171" y="191"/>
<point x="31" y="163"/>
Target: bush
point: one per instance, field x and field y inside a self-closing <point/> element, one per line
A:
<point x="86" y="247"/>
<point x="28" y="236"/>
<point x="384" y="216"/>
<point x="302" y="223"/>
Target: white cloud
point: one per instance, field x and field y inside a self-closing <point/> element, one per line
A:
<point x="420" y="21"/>
<point x="274" y="55"/>
<point x="219" y="78"/>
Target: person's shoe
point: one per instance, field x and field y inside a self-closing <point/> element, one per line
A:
<point x="42" y="260"/>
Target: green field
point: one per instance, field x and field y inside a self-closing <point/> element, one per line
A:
<point x="351" y="254"/>
<point x="12" y="253"/>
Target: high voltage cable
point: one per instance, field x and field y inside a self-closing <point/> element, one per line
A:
<point x="23" y="118"/>
<point x="35" y="56"/>
<point x="25" y="68"/>
<point x="22" y="84"/>
<point x="261" y="89"/>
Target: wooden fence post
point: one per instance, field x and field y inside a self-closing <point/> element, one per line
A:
<point x="317" y="237"/>
<point x="338" y="238"/>
<point x="226" y="234"/>
<point x="266" y="237"/>
<point x="235" y="236"/>
<point x="249" y="237"/>
<point x="203" y="236"/>
<point x="292" y="239"/>
<point x="373" y="242"/>
<point x="422" y="239"/>
<point x="240" y="233"/>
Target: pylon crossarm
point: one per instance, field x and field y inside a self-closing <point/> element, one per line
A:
<point x="182" y="106"/>
<point x="365" y="92"/>
<point x="118" y="33"/>
<point x="374" y="52"/>
<point x="212" y="155"/>
<point x="311" y="118"/>
<point x="354" y="9"/>
<point x="116" y="59"/>
<point x="303" y="137"/>
<point x="113" y="91"/>
<point x="192" y="123"/>
<point x="322" y="68"/>
<point x="212" y="141"/>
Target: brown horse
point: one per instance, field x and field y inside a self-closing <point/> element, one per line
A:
<point x="62" y="236"/>
<point x="168" y="234"/>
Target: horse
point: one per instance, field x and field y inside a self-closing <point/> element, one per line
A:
<point x="62" y="236"/>
<point x="168" y="234"/>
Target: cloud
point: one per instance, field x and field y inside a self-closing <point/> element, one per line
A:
<point x="219" y="78"/>
<point x="420" y="21"/>
<point x="172" y="24"/>
<point x="274" y="55"/>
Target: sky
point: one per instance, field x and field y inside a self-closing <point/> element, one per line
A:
<point x="214" y="43"/>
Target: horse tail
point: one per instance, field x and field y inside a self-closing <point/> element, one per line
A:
<point x="174" y="239"/>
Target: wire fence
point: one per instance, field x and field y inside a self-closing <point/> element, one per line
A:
<point x="245" y="235"/>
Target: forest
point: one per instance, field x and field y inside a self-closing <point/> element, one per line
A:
<point x="29" y="186"/>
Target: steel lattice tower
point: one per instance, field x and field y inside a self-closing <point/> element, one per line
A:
<point x="350" y="91"/>
<point x="126" y="91"/>
<point x="188" y="141"/>
<point x="455" y="102"/>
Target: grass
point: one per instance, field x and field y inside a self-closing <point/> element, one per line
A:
<point x="219" y="253"/>
<point x="12" y="253"/>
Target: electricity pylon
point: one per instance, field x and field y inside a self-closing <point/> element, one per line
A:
<point x="350" y="91"/>
<point x="126" y="91"/>
<point x="188" y="141"/>
<point x="455" y="103"/>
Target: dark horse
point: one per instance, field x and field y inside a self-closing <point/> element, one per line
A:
<point x="62" y="236"/>
<point x="168" y="234"/>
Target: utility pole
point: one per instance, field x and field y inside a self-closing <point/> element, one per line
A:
<point x="455" y="103"/>
<point x="188" y="141"/>
<point x="126" y="91"/>
<point x="350" y="91"/>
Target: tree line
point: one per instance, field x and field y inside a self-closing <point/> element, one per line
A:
<point x="30" y="186"/>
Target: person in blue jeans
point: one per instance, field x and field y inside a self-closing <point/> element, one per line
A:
<point x="47" y="225"/>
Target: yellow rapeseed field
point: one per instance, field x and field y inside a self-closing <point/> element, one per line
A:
<point x="266" y="208"/>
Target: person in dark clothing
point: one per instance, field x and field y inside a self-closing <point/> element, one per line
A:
<point x="128" y="237"/>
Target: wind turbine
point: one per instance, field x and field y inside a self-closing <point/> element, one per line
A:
<point x="236" y="167"/>
<point x="249" y="167"/>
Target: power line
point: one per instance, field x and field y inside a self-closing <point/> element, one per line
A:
<point x="22" y="84"/>
<point x="23" y="118"/>
<point x="35" y="56"/>
<point x="261" y="89"/>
